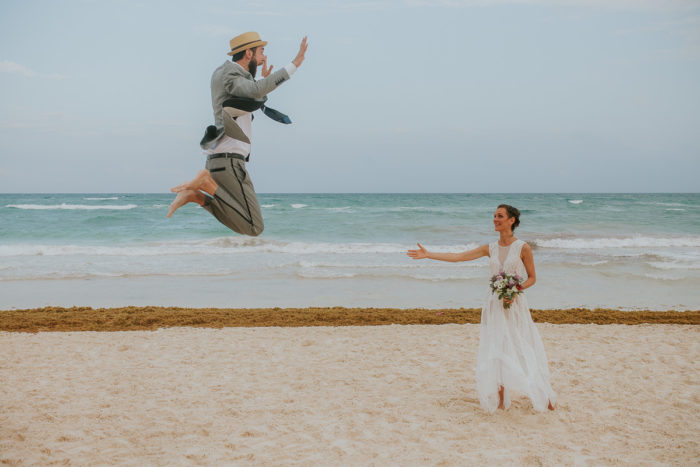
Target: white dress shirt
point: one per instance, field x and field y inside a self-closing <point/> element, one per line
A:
<point x="228" y="144"/>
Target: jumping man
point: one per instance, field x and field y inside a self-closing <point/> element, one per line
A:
<point x="224" y="187"/>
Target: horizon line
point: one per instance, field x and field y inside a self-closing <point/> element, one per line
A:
<point x="373" y="193"/>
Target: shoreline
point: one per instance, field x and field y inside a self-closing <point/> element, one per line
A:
<point x="132" y="318"/>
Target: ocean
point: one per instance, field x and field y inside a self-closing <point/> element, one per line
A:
<point x="624" y="251"/>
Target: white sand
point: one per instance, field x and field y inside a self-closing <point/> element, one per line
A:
<point x="388" y="395"/>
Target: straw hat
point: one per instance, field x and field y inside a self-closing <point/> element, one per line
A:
<point x="245" y="41"/>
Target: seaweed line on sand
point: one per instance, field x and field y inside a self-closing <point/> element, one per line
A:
<point x="153" y="317"/>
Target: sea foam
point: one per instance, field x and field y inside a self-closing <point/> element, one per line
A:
<point x="629" y="242"/>
<point x="70" y="206"/>
<point x="218" y="246"/>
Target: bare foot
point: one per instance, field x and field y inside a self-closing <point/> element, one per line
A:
<point x="202" y="181"/>
<point x="184" y="197"/>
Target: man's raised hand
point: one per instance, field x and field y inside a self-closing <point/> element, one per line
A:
<point x="299" y="59"/>
<point x="266" y="71"/>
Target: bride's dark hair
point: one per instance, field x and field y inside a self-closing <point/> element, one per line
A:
<point x="512" y="212"/>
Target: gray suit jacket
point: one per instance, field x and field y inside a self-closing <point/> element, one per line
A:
<point x="231" y="80"/>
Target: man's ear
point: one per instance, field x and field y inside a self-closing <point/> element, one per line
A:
<point x="249" y="54"/>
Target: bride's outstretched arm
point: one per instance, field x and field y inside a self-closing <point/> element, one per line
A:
<point x="476" y="253"/>
<point x="529" y="262"/>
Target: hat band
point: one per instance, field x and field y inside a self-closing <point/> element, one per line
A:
<point x="243" y="45"/>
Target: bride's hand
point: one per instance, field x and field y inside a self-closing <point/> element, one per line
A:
<point x="507" y="301"/>
<point x="418" y="254"/>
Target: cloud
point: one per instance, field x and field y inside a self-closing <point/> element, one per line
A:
<point x="16" y="68"/>
<point x="214" y="30"/>
<point x="260" y="9"/>
<point x="66" y="123"/>
<point x="688" y="27"/>
<point x="316" y="8"/>
<point x="608" y="4"/>
<point x="7" y="66"/>
<point x="686" y="30"/>
<point x="41" y="121"/>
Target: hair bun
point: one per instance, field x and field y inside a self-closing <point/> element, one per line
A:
<point x="512" y="212"/>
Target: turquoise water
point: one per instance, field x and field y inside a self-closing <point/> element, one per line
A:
<point x="616" y="250"/>
<point x="133" y="218"/>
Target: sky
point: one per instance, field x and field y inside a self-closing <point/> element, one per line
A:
<point x="467" y="96"/>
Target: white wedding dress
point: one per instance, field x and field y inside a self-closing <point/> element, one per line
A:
<point x="511" y="353"/>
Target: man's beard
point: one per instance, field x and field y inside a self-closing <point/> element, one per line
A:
<point x="253" y="66"/>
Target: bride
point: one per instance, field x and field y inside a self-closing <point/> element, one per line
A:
<point x="511" y="354"/>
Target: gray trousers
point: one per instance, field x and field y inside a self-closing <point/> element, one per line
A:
<point x="234" y="203"/>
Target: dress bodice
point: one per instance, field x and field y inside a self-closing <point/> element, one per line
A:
<point x="512" y="263"/>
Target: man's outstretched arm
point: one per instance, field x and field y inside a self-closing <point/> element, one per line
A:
<point x="259" y="89"/>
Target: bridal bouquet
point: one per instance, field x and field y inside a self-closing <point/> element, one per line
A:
<point x="506" y="286"/>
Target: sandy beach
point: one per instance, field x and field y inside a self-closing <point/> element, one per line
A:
<point x="344" y="395"/>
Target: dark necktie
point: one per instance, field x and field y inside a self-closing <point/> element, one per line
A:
<point x="276" y="115"/>
<point x="248" y="104"/>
